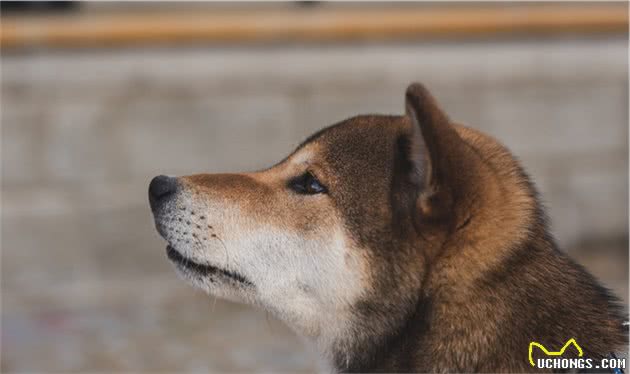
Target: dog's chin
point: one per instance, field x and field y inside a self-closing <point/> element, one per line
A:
<point x="211" y="278"/>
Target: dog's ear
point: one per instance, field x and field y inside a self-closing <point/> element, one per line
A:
<point x="432" y="138"/>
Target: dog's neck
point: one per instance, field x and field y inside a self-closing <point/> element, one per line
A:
<point x="369" y="350"/>
<point x="443" y="329"/>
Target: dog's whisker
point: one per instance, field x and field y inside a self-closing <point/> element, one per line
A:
<point x="227" y="254"/>
<point x="269" y="326"/>
<point x="214" y="304"/>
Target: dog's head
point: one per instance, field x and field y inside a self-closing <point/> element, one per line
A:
<point x="337" y="234"/>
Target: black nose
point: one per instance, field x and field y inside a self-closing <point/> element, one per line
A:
<point x="161" y="187"/>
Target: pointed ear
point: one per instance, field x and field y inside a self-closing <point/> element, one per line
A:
<point x="432" y="138"/>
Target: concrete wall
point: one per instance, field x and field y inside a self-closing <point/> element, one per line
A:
<point x="83" y="133"/>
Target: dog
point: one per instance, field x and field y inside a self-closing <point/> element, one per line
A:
<point x="393" y="243"/>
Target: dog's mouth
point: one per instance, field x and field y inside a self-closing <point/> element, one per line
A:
<point x="204" y="270"/>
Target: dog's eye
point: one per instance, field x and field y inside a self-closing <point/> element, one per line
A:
<point x="307" y="184"/>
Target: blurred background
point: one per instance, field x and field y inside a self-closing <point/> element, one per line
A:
<point x="97" y="98"/>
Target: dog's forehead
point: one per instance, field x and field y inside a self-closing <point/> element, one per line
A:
<point x="365" y="134"/>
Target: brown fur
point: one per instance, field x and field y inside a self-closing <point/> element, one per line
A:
<point x="460" y="272"/>
<point x="493" y="279"/>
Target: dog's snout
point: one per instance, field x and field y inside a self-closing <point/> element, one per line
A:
<point x="161" y="187"/>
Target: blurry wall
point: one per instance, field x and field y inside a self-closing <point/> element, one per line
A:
<point x="105" y="122"/>
<point x="85" y="283"/>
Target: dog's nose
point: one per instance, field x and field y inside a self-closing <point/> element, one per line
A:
<point x="161" y="187"/>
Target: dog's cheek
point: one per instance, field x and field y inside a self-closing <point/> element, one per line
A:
<point x="311" y="282"/>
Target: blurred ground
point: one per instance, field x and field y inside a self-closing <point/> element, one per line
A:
<point x="85" y="282"/>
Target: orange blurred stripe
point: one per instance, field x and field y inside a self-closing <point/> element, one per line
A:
<point x="310" y="24"/>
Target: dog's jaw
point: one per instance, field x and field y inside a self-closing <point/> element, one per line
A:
<point x="204" y="270"/>
<point x="215" y="281"/>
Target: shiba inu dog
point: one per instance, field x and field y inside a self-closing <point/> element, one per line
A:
<point x="393" y="243"/>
